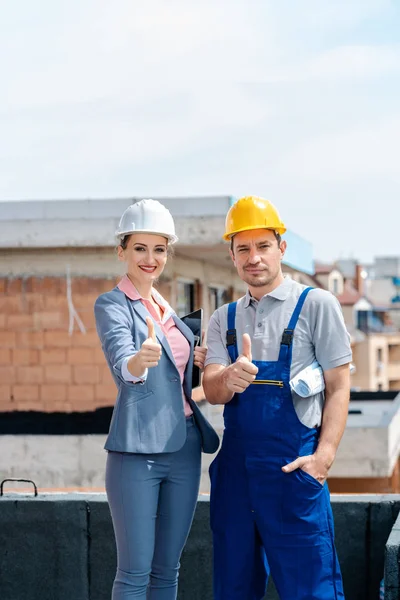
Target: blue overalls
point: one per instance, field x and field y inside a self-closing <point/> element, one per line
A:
<point x="264" y="520"/>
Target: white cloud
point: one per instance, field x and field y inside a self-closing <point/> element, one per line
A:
<point x="368" y="152"/>
<point x="353" y="62"/>
<point x="294" y="99"/>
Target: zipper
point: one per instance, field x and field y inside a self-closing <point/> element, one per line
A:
<point x="268" y="382"/>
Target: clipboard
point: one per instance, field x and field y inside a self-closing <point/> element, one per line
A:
<point x="194" y="321"/>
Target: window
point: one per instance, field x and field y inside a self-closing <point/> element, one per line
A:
<point x="379" y="363"/>
<point x="218" y="296"/>
<point x="335" y="286"/>
<point x="184" y="297"/>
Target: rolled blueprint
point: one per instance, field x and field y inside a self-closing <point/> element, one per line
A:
<point x="310" y="381"/>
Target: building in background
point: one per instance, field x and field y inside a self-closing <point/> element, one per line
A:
<point x="371" y="320"/>
<point x="56" y="257"/>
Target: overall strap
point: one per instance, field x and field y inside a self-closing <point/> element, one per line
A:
<point x="231" y="337"/>
<point x="287" y="336"/>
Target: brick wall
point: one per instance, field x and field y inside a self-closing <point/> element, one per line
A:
<point x="42" y="367"/>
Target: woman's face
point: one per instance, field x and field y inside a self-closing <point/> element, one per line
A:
<point x="145" y="257"/>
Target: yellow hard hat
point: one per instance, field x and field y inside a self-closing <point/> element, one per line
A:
<point x="252" y="212"/>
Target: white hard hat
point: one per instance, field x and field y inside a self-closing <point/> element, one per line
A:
<point x="147" y="216"/>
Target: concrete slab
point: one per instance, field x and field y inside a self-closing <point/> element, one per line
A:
<point x="61" y="546"/>
<point x="102" y="549"/>
<point x="43" y="549"/>
<point x="351" y="527"/>
<point x="392" y="564"/>
<point x="381" y="520"/>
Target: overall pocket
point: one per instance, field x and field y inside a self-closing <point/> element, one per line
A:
<point x="305" y="503"/>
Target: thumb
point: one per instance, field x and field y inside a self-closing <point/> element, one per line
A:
<point x="246" y="347"/>
<point x="292" y="466"/>
<point x="150" y="327"/>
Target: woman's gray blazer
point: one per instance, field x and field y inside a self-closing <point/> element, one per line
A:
<point x="148" y="417"/>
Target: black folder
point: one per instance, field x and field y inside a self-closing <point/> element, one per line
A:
<point x="194" y="321"/>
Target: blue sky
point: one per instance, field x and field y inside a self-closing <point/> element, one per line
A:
<point x="297" y="101"/>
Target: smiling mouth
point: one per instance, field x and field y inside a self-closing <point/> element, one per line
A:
<point x="148" y="269"/>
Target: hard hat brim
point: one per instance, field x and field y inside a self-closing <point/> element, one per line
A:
<point x="172" y="239"/>
<point x="228" y="237"/>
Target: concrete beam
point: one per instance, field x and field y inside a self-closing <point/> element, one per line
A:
<point x="62" y="546"/>
<point x="392" y="563"/>
<point x="43" y="549"/>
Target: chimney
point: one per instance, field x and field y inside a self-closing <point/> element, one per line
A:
<point x="358" y="279"/>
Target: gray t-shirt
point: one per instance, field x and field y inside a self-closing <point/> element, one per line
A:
<point x="320" y="335"/>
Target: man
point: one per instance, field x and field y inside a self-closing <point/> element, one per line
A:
<point x="270" y="505"/>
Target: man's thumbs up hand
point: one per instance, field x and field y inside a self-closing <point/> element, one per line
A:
<point x="246" y="347"/>
<point x="241" y="373"/>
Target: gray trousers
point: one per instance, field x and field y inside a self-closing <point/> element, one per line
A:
<point x="152" y="499"/>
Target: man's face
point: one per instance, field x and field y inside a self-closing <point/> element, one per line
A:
<point x="257" y="257"/>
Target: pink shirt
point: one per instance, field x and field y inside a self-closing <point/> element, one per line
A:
<point x="179" y="345"/>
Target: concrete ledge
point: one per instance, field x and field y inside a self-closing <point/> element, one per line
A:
<point x="392" y="563"/>
<point x="61" y="546"/>
<point x="43" y="549"/>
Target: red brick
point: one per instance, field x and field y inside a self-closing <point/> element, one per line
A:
<point x="30" y="374"/>
<point x="8" y="405"/>
<point x="50" y="320"/>
<point x="57" y="339"/>
<point x="8" y="339"/>
<point x="2" y="321"/>
<point x="86" y="374"/>
<point x="54" y="356"/>
<point x="25" y="356"/>
<point x="83" y="406"/>
<point x="90" y="339"/>
<point x="46" y="285"/>
<point x="5" y="393"/>
<point x="34" y="405"/>
<point x="57" y="406"/>
<point x="88" y="319"/>
<point x="25" y="392"/>
<point x="80" y="393"/>
<point x="91" y="285"/>
<point x="34" y="302"/>
<point x="11" y="304"/>
<point x="84" y="302"/>
<point x="55" y="302"/>
<point x="57" y="374"/>
<point x="5" y="356"/>
<point x="80" y="356"/>
<point x="19" y="322"/>
<point x="106" y="376"/>
<point x="7" y="374"/>
<point x="31" y="339"/>
<point x="98" y="356"/>
<point x="106" y="394"/>
<point x="13" y="286"/>
<point x="109" y="401"/>
<point x="53" y="393"/>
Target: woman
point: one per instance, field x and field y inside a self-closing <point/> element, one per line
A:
<point x="156" y="431"/>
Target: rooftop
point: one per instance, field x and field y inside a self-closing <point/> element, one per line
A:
<point x="199" y="221"/>
<point x="65" y="542"/>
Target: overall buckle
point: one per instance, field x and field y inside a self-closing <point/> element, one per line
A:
<point x="231" y="337"/>
<point x="287" y="337"/>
